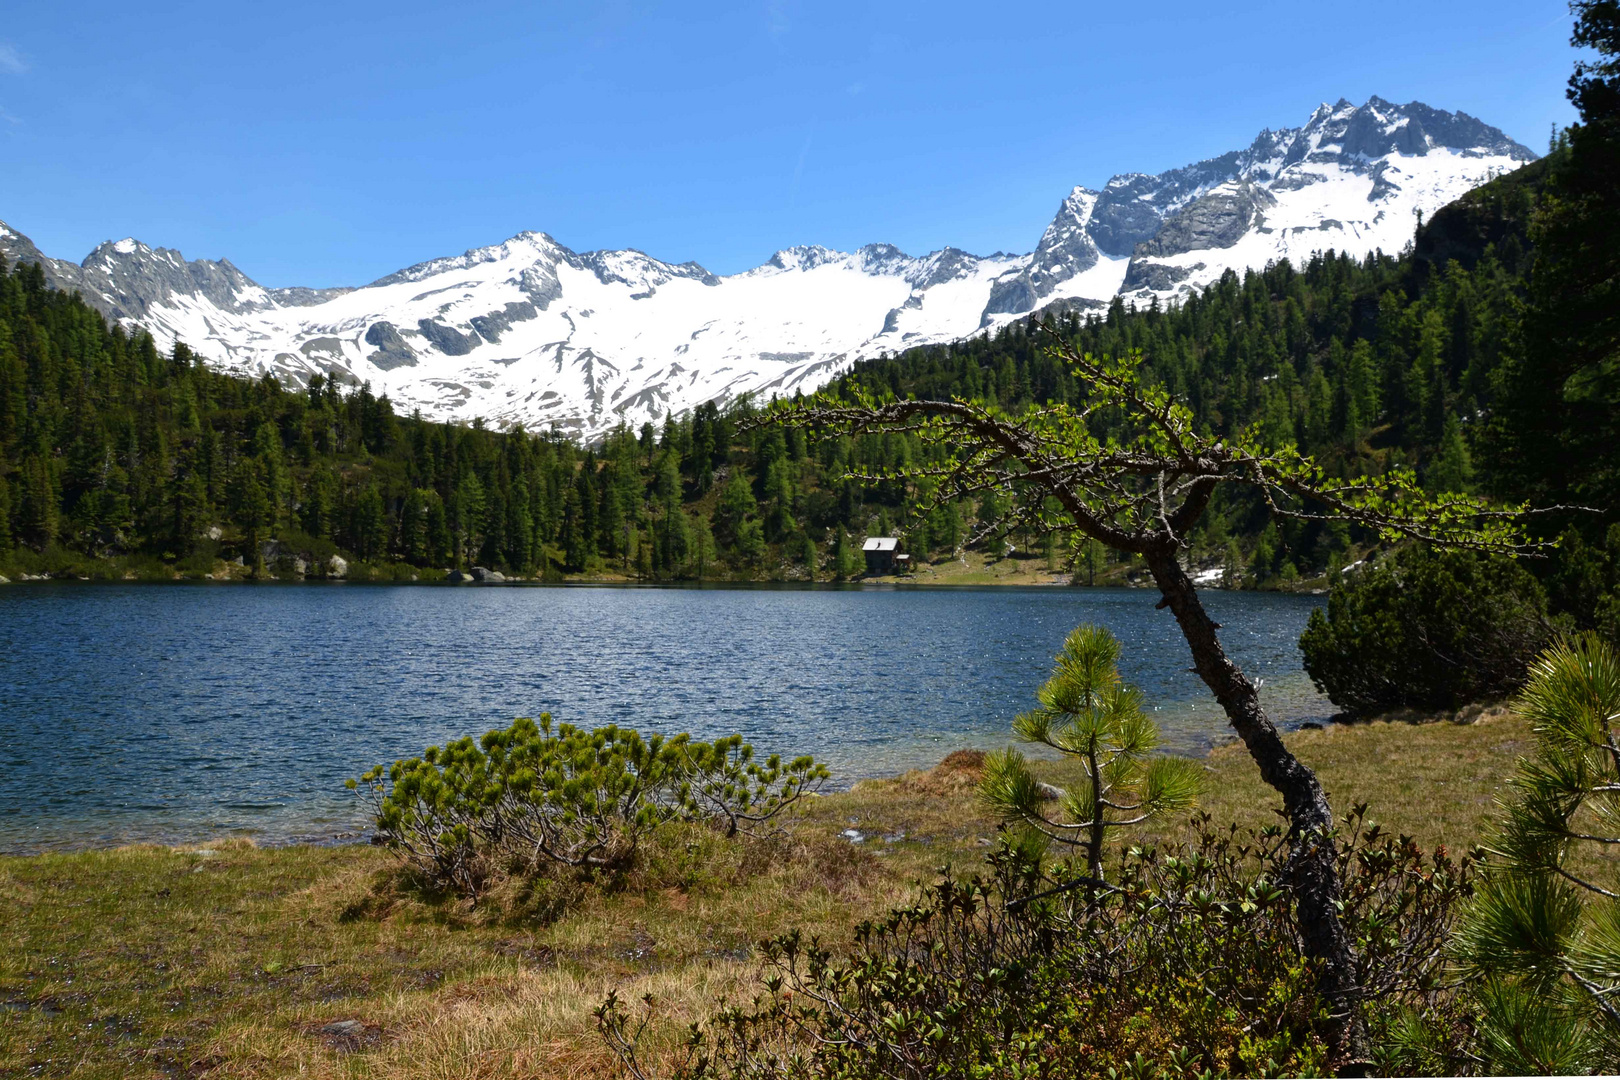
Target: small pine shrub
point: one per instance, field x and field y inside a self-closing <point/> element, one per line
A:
<point x="527" y="798"/>
<point x="1093" y="717"/>
<point x="1541" y="940"/>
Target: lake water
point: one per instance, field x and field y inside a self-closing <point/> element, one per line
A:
<point x="176" y="713"/>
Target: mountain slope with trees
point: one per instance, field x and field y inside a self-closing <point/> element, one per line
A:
<point x="117" y="459"/>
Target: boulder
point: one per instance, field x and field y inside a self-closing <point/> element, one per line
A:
<point x="337" y="566"/>
<point x="484" y="574"/>
<point x="458" y="576"/>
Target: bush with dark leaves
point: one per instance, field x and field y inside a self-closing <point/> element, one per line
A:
<point x="1189" y="963"/>
<point x="1426" y="629"/>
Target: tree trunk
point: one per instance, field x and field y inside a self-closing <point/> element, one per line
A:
<point x="1094" y="848"/>
<point x="1312" y="863"/>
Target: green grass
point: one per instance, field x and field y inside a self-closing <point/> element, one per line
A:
<point x="978" y="568"/>
<point x="149" y="961"/>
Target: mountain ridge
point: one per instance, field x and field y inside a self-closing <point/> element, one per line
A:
<point x="529" y="331"/>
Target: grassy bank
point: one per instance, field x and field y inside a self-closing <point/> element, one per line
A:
<point x="228" y="960"/>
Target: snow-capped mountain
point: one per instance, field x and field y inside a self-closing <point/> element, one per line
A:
<point x="528" y="331"/>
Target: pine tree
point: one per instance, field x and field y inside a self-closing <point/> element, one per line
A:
<point x="1452" y="468"/>
<point x="320" y="503"/>
<point x="370" y="524"/>
<point x="36" y="516"/>
<point x="413" y="527"/>
<point x="1089" y="714"/>
<point x="251" y="508"/>
<point x="843" y="559"/>
<point x="703" y="546"/>
<point x="469" y="518"/>
<point x="673" y="539"/>
<point x="1542" y="936"/>
<point x="190" y="501"/>
<point x="574" y="541"/>
<point x="736" y="505"/>
<point x="6" y="536"/>
<point x="751" y="542"/>
<point x="1362" y="381"/>
<point x="779" y="495"/>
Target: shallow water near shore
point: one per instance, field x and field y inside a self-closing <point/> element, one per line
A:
<point x="187" y="712"/>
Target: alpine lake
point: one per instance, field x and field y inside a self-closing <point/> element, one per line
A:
<point x="190" y="712"/>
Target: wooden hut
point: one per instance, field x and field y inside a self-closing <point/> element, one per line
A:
<point x="881" y="554"/>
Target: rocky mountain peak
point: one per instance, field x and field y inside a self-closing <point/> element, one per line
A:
<point x="803" y="257"/>
<point x="528" y="330"/>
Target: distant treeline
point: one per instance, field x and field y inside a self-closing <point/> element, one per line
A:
<point x="111" y="449"/>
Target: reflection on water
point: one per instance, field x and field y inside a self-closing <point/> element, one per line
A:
<point x="182" y="712"/>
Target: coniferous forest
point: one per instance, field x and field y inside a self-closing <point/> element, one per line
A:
<point x="117" y="459"/>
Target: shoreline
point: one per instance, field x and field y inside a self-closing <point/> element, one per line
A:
<point x="361" y="836"/>
<point x="971" y="569"/>
<point x="1313" y="587"/>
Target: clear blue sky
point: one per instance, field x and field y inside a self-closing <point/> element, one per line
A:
<point x="331" y="143"/>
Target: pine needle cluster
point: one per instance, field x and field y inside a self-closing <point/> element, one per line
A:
<point x="1543" y="933"/>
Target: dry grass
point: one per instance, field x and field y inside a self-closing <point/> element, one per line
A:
<point x="1436" y="780"/>
<point x="160" y="962"/>
<point x="227" y="960"/>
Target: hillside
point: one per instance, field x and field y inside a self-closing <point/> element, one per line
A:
<point x="119" y="458"/>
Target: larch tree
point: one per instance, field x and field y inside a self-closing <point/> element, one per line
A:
<point x="1140" y="488"/>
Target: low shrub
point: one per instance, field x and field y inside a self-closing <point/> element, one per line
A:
<point x="388" y="571"/>
<point x="1187" y="963"/>
<point x="1426" y="629"/>
<point x="527" y="797"/>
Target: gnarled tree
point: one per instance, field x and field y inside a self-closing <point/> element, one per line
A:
<point x="1140" y="490"/>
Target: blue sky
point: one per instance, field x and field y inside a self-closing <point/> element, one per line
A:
<point x="332" y="143"/>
